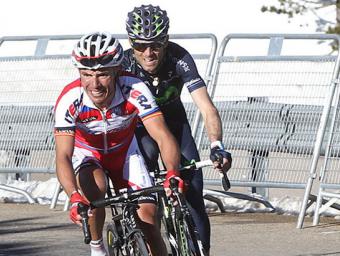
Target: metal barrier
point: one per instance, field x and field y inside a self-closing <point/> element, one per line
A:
<point x="275" y="107"/>
<point x="272" y="103"/>
<point x="30" y="84"/>
<point x="329" y="178"/>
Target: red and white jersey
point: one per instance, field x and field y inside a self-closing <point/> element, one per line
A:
<point x="104" y="131"/>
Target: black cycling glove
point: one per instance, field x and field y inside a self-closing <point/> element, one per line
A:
<point x="217" y="153"/>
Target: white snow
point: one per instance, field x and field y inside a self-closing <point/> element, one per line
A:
<point x="42" y="192"/>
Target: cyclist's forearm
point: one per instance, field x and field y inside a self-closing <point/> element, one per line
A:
<point x="66" y="176"/>
<point x="170" y="154"/>
<point x="213" y="125"/>
<point x="65" y="172"/>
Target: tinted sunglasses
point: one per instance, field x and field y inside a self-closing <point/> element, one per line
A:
<point x="141" y="47"/>
<point x="88" y="62"/>
<point x="94" y="61"/>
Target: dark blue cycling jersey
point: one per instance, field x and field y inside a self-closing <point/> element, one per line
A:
<point x="176" y="71"/>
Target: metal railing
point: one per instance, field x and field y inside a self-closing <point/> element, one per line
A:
<point x="274" y="104"/>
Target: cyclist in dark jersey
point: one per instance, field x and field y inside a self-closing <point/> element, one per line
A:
<point x="165" y="67"/>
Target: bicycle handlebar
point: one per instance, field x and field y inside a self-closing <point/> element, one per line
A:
<point x="205" y="163"/>
<point x="197" y="165"/>
<point x="126" y="196"/>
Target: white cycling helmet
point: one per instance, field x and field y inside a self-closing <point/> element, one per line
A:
<point x="97" y="50"/>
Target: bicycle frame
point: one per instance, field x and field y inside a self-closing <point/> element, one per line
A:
<point x="130" y="237"/>
<point x="126" y="228"/>
<point x="181" y="225"/>
<point x="180" y="229"/>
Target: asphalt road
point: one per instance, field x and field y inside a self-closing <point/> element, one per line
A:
<point x="36" y="230"/>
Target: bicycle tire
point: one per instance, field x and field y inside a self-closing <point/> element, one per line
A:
<point x="112" y="238"/>
<point x="137" y="245"/>
<point x="169" y="229"/>
<point x="188" y="240"/>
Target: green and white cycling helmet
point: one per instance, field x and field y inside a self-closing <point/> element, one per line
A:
<point x="147" y="23"/>
<point x="97" y="50"/>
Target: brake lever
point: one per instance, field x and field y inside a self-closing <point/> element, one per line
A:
<point x="82" y="210"/>
<point x="225" y="180"/>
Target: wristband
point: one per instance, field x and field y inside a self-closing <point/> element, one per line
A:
<point x="217" y="143"/>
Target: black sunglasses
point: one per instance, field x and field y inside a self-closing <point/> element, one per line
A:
<point x="141" y="47"/>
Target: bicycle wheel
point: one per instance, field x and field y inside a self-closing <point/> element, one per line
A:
<point x="113" y="241"/>
<point x="136" y="244"/>
<point x="188" y="240"/>
<point x="169" y="229"/>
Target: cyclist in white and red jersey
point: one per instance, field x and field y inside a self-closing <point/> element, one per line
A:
<point x="95" y="120"/>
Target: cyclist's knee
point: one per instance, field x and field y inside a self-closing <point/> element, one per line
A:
<point x="93" y="182"/>
<point x="147" y="213"/>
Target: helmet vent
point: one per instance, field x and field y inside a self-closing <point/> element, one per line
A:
<point x="147" y="13"/>
<point x="93" y="50"/>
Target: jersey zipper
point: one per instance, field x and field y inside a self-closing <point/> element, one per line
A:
<point x="103" y="113"/>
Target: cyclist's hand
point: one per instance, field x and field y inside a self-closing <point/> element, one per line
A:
<point x="221" y="158"/>
<point x="75" y="199"/>
<point x="172" y="174"/>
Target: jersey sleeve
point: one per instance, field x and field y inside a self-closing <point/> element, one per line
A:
<point x="141" y="97"/>
<point x="66" y="111"/>
<point x="189" y="73"/>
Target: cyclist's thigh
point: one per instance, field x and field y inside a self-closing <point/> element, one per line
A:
<point x="148" y="147"/>
<point x="147" y="212"/>
<point x="89" y="173"/>
<point x="128" y="170"/>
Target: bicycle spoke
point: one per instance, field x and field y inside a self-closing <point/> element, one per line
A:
<point x="113" y="243"/>
<point x="136" y="245"/>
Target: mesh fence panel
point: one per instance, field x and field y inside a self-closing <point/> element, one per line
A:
<point x="29" y="87"/>
<point x="271" y="110"/>
<point x="330" y="171"/>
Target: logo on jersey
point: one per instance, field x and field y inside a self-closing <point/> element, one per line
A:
<point x="170" y="93"/>
<point x="184" y="65"/>
<point x="147" y="83"/>
<point x="192" y="83"/>
<point x="72" y="110"/>
<point x="89" y="119"/>
<point x="141" y="99"/>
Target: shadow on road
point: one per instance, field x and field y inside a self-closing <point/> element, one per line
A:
<point x="24" y="225"/>
<point x="15" y="248"/>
